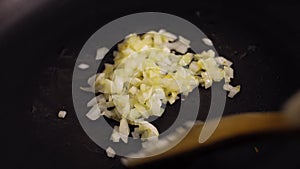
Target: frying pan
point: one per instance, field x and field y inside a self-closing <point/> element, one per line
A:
<point x="40" y="42"/>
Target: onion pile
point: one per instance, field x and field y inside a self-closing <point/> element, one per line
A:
<point x="150" y="71"/>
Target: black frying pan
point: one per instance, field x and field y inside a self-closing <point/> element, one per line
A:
<point x="39" y="44"/>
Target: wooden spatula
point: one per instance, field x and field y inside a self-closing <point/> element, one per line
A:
<point x="230" y="127"/>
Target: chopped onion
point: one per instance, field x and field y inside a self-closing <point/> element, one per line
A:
<point x="207" y="42"/>
<point x="91" y="80"/>
<point x="184" y="41"/>
<point x="83" y="66"/>
<point x="110" y="152"/>
<point x="168" y="35"/>
<point x="234" y="91"/>
<point x="222" y="61"/>
<point x="136" y="133"/>
<point x="146" y="75"/>
<point x="178" y="46"/>
<point x="115" y="136"/>
<point x="92" y="102"/>
<point x="227" y="87"/>
<point x="124" y="130"/>
<point x="62" y="114"/>
<point x="228" y="74"/>
<point x="101" y="52"/>
<point x="88" y="89"/>
<point x="94" y="113"/>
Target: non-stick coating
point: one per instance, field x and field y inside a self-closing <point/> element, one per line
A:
<point x="40" y="42"/>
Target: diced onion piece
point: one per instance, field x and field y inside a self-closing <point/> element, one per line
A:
<point x="184" y="41"/>
<point x="107" y="113"/>
<point x="234" y="91"/>
<point x="206" y="79"/>
<point x="95" y="100"/>
<point x="115" y="136"/>
<point x="83" y="66"/>
<point x="178" y="46"/>
<point x="101" y="52"/>
<point x="124" y="130"/>
<point x="122" y="104"/>
<point x="213" y="70"/>
<point x="130" y="35"/>
<point x="207" y="42"/>
<point x="186" y="59"/>
<point x="227" y="87"/>
<point x="155" y="105"/>
<point x="133" y="90"/>
<point x="92" y="102"/>
<point x="222" y="61"/>
<point x="148" y="129"/>
<point x="168" y="35"/>
<point x="195" y="67"/>
<point x="62" y="114"/>
<point x="136" y="133"/>
<point x="88" y="89"/>
<point x="157" y="39"/>
<point x="91" y="80"/>
<point x="228" y="74"/>
<point x="94" y="113"/>
<point x="110" y="152"/>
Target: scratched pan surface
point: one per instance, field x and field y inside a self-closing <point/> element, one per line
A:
<point x="40" y="41"/>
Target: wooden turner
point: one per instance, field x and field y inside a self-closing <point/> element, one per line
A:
<point x="230" y="127"/>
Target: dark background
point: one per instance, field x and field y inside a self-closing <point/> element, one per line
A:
<point x="39" y="43"/>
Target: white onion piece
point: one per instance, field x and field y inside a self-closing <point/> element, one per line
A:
<point x="234" y="91"/>
<point x="222" y="61"/>
<point x="108" y="113"/>
<point x="124" y="130"/>
<point x="136" y="133"/>
<point x="148" y="128"/>
<point x="101" y="52"/>
<point x="92" y="102"/>
<point x="110" y="152"/>
<point x="184" y="41"/>
<point x="83" y="66"/>
<point x="99" y="99"/>
<point x="62" y="114"/>
<point x="88" y="89"/>
<point x="177" y="46"/>
<point x="228" y="74"/>
<point x="227" y="87"/>
<point x="91" y="80"/>
<point x="94" y="113"/>
<point x="130" y="35"/>
<point x="207" y="42"/>
<point x="161" y="31"/>
<point x="168" y="35"/>
<point x="115" y="136"/>
<point x="181" y="48"/>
